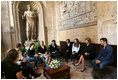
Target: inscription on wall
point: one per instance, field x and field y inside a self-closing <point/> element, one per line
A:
<point x="74" y="14"/>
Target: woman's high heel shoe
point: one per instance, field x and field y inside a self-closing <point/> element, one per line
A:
<point x="82" y="70"/>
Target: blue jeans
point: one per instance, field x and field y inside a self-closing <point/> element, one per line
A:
<point x="28" y="64"/>
<point x="102" y="64"/>
<point x="33" y="59"/>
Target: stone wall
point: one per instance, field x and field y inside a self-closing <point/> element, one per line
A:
<point x="106" y="26"/>
<point x="75" y="14"/>
<point x="6" y="42"/>
<point x="107" y="21"/>
<point x="80" y="33"/>
<point x="50" y="21"/>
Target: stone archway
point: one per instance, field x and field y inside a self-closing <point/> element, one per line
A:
<point x="20" y="25"/>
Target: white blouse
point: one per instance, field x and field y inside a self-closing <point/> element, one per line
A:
<point x="76" y="49"/>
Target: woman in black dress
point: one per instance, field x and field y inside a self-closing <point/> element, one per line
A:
<point x="68" y="50"/>
<point x="88" y="53"/>
<point x="54" y="50"/>
<point x="42" y="51"/>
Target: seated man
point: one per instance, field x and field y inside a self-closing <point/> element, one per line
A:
<point x="20" y="58"/>
<point x="105" y="56"/>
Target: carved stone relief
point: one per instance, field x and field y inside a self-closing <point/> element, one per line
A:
<point x="77" y="14"/>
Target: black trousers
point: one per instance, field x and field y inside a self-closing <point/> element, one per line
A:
<point x="27" y="69"/>
<point x="67" y="55"/>
<point x="75" y="56"/>
<point x="55" y="55"/>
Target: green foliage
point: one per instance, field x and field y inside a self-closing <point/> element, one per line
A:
<point x="23" y="51"/>
<point x="36" y="47"/>
<point x="48" y="48"/>
<point x="26" y="52"/>
<point x="59" y="48"/>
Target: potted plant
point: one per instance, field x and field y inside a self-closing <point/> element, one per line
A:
<point x="23" y="51"/>
<point x="36" y="47"/>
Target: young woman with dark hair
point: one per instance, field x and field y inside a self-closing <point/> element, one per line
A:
<point x="31" y="54"/>
<point x="68" y="50"/>
<point x="54" y="50"/>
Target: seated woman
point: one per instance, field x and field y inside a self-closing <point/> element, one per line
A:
<point x="26" y="66"/>
<point x="9" y="66"/>
<point x="54" y="50"/>
<point x="88" y="52"/>
<point x="42" y="51"/>
<point x="76" y="50"/>
<point x="68" y="50"/>
<point x="31" y="55"/>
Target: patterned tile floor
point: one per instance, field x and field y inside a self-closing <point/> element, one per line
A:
<point x="75" y="71"/>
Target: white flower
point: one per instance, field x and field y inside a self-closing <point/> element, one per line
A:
<point x="54" y="63"/>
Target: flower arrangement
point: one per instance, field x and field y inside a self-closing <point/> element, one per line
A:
<point x="54" y="64"/>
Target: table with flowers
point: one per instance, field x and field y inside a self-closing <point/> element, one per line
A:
<point x="56" y="70"/>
